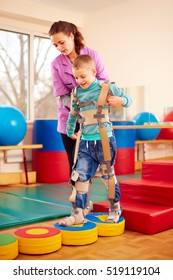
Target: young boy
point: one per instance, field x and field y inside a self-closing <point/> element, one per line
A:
<point x="97" y="146"/>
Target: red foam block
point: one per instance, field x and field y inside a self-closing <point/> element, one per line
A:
<point x="158" y="170"/>
<point x="125" y="161"/>
<point x="151" y="191"/>
<point x="51" y="167"/>
<point x="142" y="217"/>
<point x="147" y="218"/>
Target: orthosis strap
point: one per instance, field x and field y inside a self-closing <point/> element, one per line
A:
<point x="72" y="197"/>
<point x="102" y="129"/>
<point x="103" y="94"/>
<point x="105" y="144"/>
<point x="89" y="117"/>
<point x="111" y="188"/>
<point x="77" y="146"/>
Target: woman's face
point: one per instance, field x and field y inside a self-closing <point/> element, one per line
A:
<point x="63" y="43"/>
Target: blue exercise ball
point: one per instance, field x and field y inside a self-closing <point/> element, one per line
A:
<point x="13" y="126"/>
<point x="146" y="133"/>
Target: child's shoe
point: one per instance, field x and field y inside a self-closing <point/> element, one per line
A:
<point x="77" y="217"/>
<point x="114" y="216"/>
<point x="114" y="212"/>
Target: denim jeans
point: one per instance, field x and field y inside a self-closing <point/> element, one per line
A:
<point x="90" y="156"/>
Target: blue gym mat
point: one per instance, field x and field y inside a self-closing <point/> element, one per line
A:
<point x="30" y="204"/>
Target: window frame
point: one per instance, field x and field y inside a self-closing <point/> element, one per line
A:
<point x="30" y="117"/>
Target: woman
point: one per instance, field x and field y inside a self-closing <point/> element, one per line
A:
<point x="69" y="41"/>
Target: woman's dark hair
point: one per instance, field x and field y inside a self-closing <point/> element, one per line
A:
<point x="68" y="28"/>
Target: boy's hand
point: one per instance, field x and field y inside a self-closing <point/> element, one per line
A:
<point x="74" y="136"/>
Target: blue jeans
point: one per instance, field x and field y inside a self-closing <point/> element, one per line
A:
<point x="90" y="156"/>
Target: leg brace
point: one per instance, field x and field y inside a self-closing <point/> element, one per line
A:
<point x="110" y="182"/>
<point x="79" y="187"/>
<point x="78" y="212"/>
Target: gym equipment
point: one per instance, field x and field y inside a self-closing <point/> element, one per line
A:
<point x="82" y="234"/>
<point x="146" y="134"/>
<point x="8" y="247"/>
<point x="13" y="126"/>
<point x="147" y="202"/>
<point x="21" y="206"/>
<point x="167" y="133"/>
<point x="106" y="228"/>
<point x="38" y="240"/>
<point x="125" y="139"/>
<point x="50" y="163"/>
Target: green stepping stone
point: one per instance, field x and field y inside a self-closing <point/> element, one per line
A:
<point x="6" y="239"/>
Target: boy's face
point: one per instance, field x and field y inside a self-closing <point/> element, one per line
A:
<point x="84" y="76"/>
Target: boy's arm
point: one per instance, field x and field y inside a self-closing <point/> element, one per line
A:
<point x="72" y="119"/>
<point x="71" y="124"/>
<point x="122" y="98"/>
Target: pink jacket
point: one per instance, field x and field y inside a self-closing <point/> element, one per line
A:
<point x="64" y="81"/>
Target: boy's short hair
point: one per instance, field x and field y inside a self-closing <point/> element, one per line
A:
<point x="83" y="60"/>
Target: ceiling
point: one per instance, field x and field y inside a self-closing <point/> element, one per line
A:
<point x="79" y="5"/>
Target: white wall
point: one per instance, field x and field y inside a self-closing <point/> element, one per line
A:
<point x="35" y="16"/>
<point x="135" y="40"/>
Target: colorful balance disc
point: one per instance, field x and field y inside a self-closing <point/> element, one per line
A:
<point x="8" y="247"/>
<point x="38" y="240"/>
<point x="81" y="234"/>
<point x="106" y="228"/>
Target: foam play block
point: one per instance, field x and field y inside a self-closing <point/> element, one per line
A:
<point x="101" y="206"/>
<point x="142" y="217"/>
<point x="147" y="218"/>
<point x="45" y="132"/>
<point x="51" y="167"/>
<point x="147" y="202"/>
<point x="38" y="240"/>
<point x="125" y="161"/>
<point x="8" y="247"/>
<point x="106" y="228"/>
<point x="81" y="234"/>
<point x="150" y="191"/>
<point x="158" y="170"/>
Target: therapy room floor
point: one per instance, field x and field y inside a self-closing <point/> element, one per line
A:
<point x="128" y="246"/>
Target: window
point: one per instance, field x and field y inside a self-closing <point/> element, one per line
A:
<point x="25" y="74"/>
<point x="45" y="105"/>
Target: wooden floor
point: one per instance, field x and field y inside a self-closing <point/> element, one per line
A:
<point x="128" y="246"/>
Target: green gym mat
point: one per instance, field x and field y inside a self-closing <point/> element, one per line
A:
<point x="30" y="204"/>
<point x="26" y="205"/>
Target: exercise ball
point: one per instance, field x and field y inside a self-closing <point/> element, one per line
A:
<point x="146" y="133"/>
<point x="167" y="133"/>
<point x="13" y="126"/>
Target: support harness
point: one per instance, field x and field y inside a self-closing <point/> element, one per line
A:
<point x="99" y="115"/>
